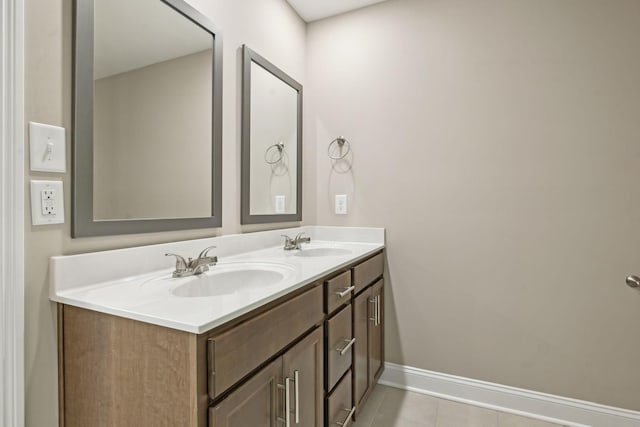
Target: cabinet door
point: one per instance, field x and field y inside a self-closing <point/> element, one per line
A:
<point x="303" y="367"/>
<point x="254" y="404"/>
<point x="361" y="346"/>
<point x="376" y="327"/>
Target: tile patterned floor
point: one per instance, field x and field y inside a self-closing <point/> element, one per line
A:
<point x="392" y="407"/>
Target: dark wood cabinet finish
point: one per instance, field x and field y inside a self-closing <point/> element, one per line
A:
<point x="368" y="271"/>
<point x="361" y="347"/>
<point x="339" y="406"/>
<point x="260" y="401"/>
<point x="339" y="346"/>
<point x="376" y="331"/>
<point x="121" y="372"/>
<point x="237" y="352"/>
<point x="368" y="329"/>
<point x="304" y="365"/>
<point x="255" y="403"/>
<point x="338" y="291"/>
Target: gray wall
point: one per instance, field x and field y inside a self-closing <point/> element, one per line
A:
<point x="268" y="26"/>
<point x="152" y="141"/>
<point x="498" y="142"/>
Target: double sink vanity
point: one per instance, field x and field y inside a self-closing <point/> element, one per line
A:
<point x="263" y="336"/>
<point x="257" y="330"/>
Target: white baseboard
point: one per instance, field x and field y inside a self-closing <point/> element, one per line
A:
<point x="547" y="407"/>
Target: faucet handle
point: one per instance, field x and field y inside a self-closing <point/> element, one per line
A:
<point x="181" y="263"/>
<point x="289" y="243"/>
<point x="206" y="251"/>
<point x="299" y="239"/>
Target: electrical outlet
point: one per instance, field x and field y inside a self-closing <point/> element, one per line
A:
<point x="280" y="204"/>
<point x="341" y="204"/>
<point x="47" y="204"/>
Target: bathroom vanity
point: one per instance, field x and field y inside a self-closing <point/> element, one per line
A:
<point x="296" y="341"/>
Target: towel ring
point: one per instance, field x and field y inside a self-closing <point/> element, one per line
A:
<point x="280" y="147"/>
<point x="341" y="141"/>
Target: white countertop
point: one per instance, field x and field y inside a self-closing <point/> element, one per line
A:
<point x="136" y="283"/>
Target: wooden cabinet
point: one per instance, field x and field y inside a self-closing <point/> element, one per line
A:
<point x="368" y="328"/>
<point x="236" y="352"/>
<point x="290" y="386"/>
<point x="255" y="403"/>
<point x="375" y="333"/>
<point x="340" y="408"/>
<point x="312" y="356"/>
<point x="303" y="369"/>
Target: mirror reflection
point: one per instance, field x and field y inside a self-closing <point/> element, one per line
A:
<point x="152" y="112"/>
<point x="271" y="142"/>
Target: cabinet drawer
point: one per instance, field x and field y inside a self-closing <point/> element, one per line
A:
<point x="235" y="353"/>
<point x="339" y="408"/>
<point x="368" y="271"/>
<point x="337" y="291"/>
<point x="339" y="346"/>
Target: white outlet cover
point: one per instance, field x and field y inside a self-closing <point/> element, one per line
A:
<point x="341" y="204"/>
<point x="280" y="203"/>
<point x="47" y="148"/>
<point x="37" y="216"/>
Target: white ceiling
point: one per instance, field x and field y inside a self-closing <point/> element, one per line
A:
<point x="312" y="10"/>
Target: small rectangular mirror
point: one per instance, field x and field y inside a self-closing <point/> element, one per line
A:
<point x="147" y="137"/>
<point x="271" y="142"/>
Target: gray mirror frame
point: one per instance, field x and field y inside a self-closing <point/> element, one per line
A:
<point x="249" y="56"/>
<point x="83" y="223"/>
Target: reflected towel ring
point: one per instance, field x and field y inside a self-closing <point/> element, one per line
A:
<point x="341" y="141"/>
<point x="280" y="147"/>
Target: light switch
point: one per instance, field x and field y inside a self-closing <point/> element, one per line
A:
<point x="47" y="202"/>
<point x="341" y="204"/>
<point x="47" y="146"/>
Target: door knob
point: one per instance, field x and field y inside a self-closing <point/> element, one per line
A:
<point x="633" y="281"/>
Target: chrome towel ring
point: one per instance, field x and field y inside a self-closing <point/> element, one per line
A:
<point x="341" y="141"/>
<point x="280" y="147"/>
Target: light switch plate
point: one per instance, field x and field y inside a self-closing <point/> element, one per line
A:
<point x="47" y="202"/>
<point x="47" y="146"/>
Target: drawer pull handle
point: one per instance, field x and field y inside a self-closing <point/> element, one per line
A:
<point x="345" y="292"/>
<point x="344" y="349"/>
<point x="346" y="422"/>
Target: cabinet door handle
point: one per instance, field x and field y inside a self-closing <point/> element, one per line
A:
<point x="373" y="311"/>
<point x="347" y="346"/>
<point x="345" y="291"/>
<point x="287" y="402"/>
<point x="377" y="310"/>
<point x="296" y="379"/>
<point x="346" y="422"/>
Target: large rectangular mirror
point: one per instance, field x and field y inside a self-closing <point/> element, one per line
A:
<point x="147" y="118"/>
<point x="271" y="142"/>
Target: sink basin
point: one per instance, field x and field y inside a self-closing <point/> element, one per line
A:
<point x="233" y="279"/>
<point x="322" y="252"/>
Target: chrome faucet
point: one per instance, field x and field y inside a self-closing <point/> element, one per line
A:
<point x="193" y="267"/>
<point x="295" y="243"/>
